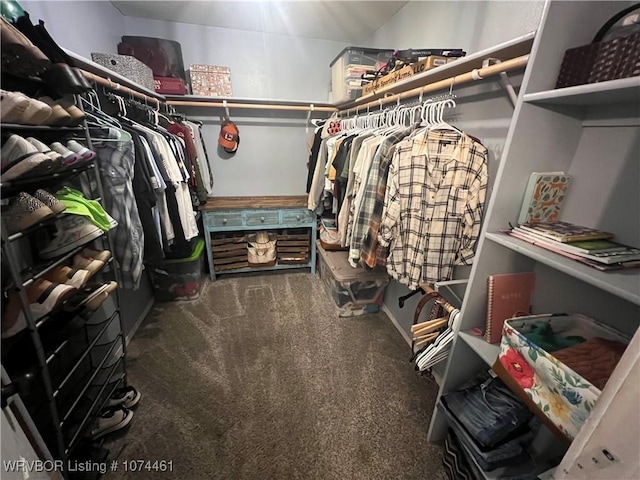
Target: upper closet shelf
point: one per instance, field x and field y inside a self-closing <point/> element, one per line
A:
<point x="624" y="90"/>
<point x="96" y="69"/>
<point x="622" y="283"/>
<point x="504" y="51"/>
<point x="248" y="103"/>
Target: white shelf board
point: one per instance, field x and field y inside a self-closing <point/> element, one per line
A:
<point x="487" y="351"/>
<point x="504" y="51"/>
<point x="624" y="90"/>
<point x="622" y="283"/>
<point x="246" y="100"/>
<point x="97" y="69"/>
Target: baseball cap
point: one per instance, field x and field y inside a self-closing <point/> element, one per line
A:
<point x="229" y="137"/>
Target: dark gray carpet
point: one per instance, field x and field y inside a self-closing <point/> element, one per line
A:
<point x="259" y="379"/>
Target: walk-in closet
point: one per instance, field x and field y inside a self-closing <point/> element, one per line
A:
<point x="320" y="239"/>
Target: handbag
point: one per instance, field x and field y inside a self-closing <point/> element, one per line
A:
<point x="603" y="59"/>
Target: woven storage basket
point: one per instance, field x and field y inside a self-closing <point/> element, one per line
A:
<point x="602" y="60"/>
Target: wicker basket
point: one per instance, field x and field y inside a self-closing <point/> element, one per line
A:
<point x="601" y="61"/>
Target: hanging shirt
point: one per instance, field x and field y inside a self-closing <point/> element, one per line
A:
<point x="433" y="206"/>
<point x="116" y="163"/>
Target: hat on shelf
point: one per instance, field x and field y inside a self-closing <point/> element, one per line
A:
<point x="229" y="138"/>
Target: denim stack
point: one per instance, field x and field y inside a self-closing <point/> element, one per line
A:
<point x="491" y="425"/>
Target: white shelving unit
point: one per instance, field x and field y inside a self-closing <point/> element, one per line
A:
<point x="591" y="132"/>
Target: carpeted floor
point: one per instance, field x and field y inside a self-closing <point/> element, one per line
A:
<point x="259" y="379"/>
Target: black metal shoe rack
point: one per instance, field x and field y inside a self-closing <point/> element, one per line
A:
<point x="71" y="379"/>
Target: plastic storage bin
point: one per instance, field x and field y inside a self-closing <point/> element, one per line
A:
<point x="355" y="291"/>
<point x="349" y="65"/>
<point x="181" y="278"/>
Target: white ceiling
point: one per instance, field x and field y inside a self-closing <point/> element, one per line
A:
<point x="346" y="21"/>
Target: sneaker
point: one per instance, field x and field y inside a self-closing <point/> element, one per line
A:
<point x="12" y="106"/>
<point x="37" y="112"/>
<point x="23" y="212"/>
<point x="69" y="158"/>
<point x="50" y="201"/>
<point x="19" y="55"/>
<point x="42" y="147"/>
<point x="44" y="298"/>
<point x="73" y="231"/>
<point x="124" y="396"/>
<point x="20" y="158"/>
<point x="79" y="149"/>
<point x="110" y="419"/>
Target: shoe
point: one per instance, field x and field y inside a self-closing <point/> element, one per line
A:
<point x="12" y="106"/>
<point x="87" y="255"/>
<point x="44" y="298"/>
<point x="77" y="115"/>
<point x="50" y="201"/>
<point x="34" y="112"/>
<point x="110" y="419"/>
<point x="73" y="231"/>
<point x="59" y="115"/>
<point x="19" y="55"/>
<point x="23" y="212"/>
<point x="85" y="154"/>
<point x="124" y="396"/>
<point x="56" y="158"/>
<point x="90" y="264"/>
<point x="64" y="275"/>
<point x="69" y="158"/>
<point x="20" y="158"/>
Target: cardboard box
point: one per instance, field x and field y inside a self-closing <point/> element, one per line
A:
<point x="405" y="72"/>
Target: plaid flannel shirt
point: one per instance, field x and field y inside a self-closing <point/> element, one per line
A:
<point x="371" y="254"/>
<point x="433" y="206"/>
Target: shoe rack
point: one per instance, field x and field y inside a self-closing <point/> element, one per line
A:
<point x="65" y="382"/>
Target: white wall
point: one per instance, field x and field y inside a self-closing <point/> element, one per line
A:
<point x="262" y="65"/>
<point x="81" y="26"/>
<point x="471" y="25"/>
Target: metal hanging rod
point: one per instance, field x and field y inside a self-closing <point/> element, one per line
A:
<point x="116" y="87"/>
<point x="476" y="74"/>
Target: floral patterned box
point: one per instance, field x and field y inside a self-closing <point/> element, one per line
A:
<point x="554" y="390"/>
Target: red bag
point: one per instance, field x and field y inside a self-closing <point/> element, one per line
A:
<point x="170" y="85"/>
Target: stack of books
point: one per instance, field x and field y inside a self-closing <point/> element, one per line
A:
<point x="586" y="245"/>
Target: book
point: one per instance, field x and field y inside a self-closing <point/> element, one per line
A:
<point x="508" y="295"/>
<point x="543" y="197"/>
<point x="615" y="253"/>
<point x="565" y="232"/>
<point x="553" y="247"/>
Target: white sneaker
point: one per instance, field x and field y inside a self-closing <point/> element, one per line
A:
<point x="73" y="231"/>
<point x="20" y="158"/>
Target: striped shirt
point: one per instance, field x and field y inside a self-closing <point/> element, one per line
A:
<point x="433" y="208"/>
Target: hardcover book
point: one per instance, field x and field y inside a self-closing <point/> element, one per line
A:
<point x="544" y="197"/>
<point x="565" y="232"/>
<point x="508" y="295"/>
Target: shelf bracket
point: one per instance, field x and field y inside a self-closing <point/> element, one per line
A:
<point x="504" y="79"/>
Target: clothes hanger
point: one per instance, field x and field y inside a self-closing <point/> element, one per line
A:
<point x="440" y="122"/>
<point x="431" y="356"/>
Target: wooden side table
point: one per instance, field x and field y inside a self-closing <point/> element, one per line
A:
<point x="229" y="214"/>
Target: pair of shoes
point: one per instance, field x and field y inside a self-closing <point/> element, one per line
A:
<point x="29" y="157"/>
<point x="25" y="210"/>
<point x="19" y="55"/>
<point x="110" y="419"/>
<point x="16" y="107"/>
<point x="64" y="112"/>
<point x="44" y="298"/>
<point x="124" y="396"/>
<point x="72" y="232"/>
<point x="61" y="75"/>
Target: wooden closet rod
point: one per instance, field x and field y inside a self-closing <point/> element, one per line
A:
<point x="105" y="82"/>
<point x="479" y="74"/>
<point x="252" y="106"/>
